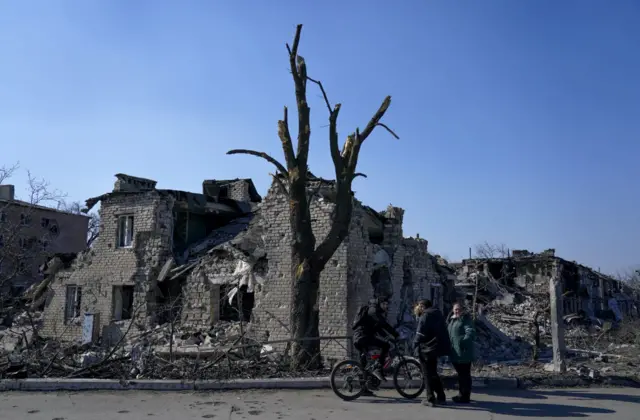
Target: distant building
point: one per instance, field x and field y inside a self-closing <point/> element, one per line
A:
<point x="29" y="234"/>
<point x="584" y="288"/>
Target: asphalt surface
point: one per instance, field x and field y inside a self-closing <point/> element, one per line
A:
<point x="612" y="403"/>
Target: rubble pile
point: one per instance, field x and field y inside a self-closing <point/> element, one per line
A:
<point x="229" y="350"/>
<point x="492" y="345"/>
<point x="516" y="319"/>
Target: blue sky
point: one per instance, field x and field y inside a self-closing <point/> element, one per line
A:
<point x="518" y="119"/>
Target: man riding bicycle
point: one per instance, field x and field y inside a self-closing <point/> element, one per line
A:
<point x="372" y="321"/>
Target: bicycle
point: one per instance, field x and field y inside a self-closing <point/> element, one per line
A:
<point x="404" y="368"/>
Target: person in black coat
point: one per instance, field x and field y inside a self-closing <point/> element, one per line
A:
<point x="368" y="327"/>
<point x="431" y="342"/>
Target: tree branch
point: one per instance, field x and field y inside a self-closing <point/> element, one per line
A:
<point x="324" y="93"/>
<point x="375" y="120"/>
<point x="299" y="72"/>
<point x="389" y="130"/>
<point x="285" y="138"/>
<point x="338" y="163"/>
<point x="357" y="174"/>
<point x="361" y="137"/>
<point x="333" y="130"/>
<point x="262" y="155"/>
<point x="281" y="185"/>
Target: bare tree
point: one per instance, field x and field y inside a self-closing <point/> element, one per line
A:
<point x="486" y="250"/>
<point x="629" y="276"/>
<point x="94" y="219"/>
<point x="308" y="260"/>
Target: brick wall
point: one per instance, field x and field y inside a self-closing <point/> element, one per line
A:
<point x="239" y="190"/>
<point x="106" y="265"/>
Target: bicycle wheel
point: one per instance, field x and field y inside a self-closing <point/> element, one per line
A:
<point x="352" y="374"/>
<point x="408" y="378"/>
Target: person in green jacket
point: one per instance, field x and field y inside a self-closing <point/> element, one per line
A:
<point x="462" y="334"/>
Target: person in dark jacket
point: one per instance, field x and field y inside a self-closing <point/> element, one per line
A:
<point x="366" y="330"/>
<point x="431" y="342"/>
<point x="462" y="335"/>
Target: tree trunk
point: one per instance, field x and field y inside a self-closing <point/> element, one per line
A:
<point x="305" y="320"/>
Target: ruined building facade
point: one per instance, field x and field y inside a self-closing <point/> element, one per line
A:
<point x="225" y="254"/>
<point x="141" y="229"/>
<point x="375" y="259"/>
<point x="584" y="288"/>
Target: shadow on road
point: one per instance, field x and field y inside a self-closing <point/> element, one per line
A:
<point x="378" y="399"/>
<point x="582" y="395"/>
<point x="569" y="394"/>
<point x="532" y="409"/>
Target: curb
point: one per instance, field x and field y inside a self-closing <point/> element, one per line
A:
<point x="48" y="385"/>
<point x="44" y="385"/>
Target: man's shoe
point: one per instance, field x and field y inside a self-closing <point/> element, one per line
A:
<point x="429" y="402"/>
<point x="459" y="399"/>
<point x="442" y="401"/>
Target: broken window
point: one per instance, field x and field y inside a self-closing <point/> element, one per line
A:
<point x="44" y="244"/>
<point x="44" y="222"/>
<point x="495" y="269"/>
<point x="25" y="219"/>
<point x="72" y="303"/>
<point x="3" y="216"/>
<point x="224" y="192"/>
<point x="122" y="302"/>
<point x="236" y="304"/>
<point x="125" y="231"/>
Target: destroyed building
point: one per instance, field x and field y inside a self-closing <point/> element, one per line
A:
<point x="375" y="259"/>
<point x="584" y="289"/>
<point x="224" y="254"/>
<point x="99" y="292"/>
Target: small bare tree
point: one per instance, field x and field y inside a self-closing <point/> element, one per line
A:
<point x="308" y="259"/>
<point x="93" y="230"/>
<point x="629" y="276"/>
<point x="486" y="250"/>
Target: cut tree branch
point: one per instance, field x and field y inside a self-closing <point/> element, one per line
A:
<point x="262" y="155"/>
<point x="285" y="138"/>
<point x="375" y="120"/>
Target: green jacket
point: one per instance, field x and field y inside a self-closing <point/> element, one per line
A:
<point x="462" y="334"/>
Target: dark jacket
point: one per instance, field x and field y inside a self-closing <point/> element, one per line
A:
<point x="374" y="323"/>
<point x="462" y="334"/>
<point x="432" y="338"/>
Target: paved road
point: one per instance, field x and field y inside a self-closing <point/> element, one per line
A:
<point x="621" y="404"/>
